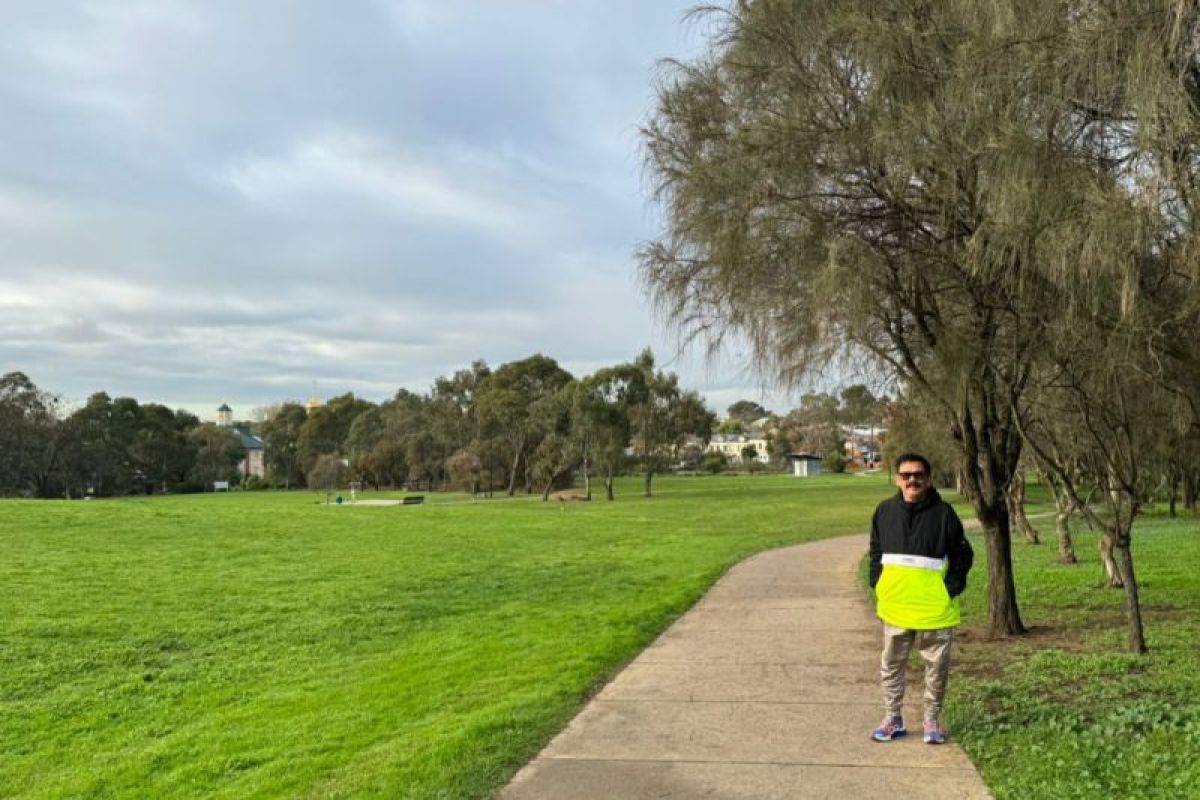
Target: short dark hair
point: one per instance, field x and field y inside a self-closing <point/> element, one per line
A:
<point x="914" y="457"/>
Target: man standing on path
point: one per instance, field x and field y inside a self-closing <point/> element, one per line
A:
<point x="919" y="564"/>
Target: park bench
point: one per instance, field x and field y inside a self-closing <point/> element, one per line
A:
<point x="415" y="500"/>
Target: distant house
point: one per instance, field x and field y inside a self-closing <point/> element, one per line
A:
<point x="731" y="446"/>
<point x="863" y="445"/>
<point x="253" y="463"/>
<point x="805" y="465"/>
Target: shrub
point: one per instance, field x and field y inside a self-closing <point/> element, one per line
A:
<point x="713" y="463"/>
<point x="253" y="483"/>
<point x="327" y="474"/>
<point x="834" y="461"/>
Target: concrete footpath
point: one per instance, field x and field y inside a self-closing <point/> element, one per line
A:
<point x="767" y="689"/>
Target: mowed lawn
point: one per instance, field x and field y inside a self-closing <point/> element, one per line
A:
<point x="265" y="645"/>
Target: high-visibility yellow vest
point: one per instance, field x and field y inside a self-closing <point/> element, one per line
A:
<point x="910" y="593"/>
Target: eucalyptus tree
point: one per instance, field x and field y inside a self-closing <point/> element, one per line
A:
<point x="602" y="414"/>
<point x="662" y="416"/>
<point x="161" y="450"/>
<point x="465" y="470"/>
<point x="690" y="421"/>
<point x="30" y="436"/>
<point x="281" y="441"/>
<point x="836" y="178"/>
<point x="425" y="458"/>
<point x="101" y="433"/>
<point x="585" y="426"/>
<point x="218" y="451"/>
<point x="813" y="426"/>
<point x="560" y="446"/>
<point x="746" y="411"/>
<point x="557" y="454"/>
<point x="326" y="428"/>
<point x="860" y="406"/>
<point x="451" y="403"/>
<point x="503" y="401"/>
<point x="327" y="474"/>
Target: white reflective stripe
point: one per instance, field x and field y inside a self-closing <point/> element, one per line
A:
<point x="920" y="562"/>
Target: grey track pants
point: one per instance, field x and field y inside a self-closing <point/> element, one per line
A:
<point x="934" y="647"/>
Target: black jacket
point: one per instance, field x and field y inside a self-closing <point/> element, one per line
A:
<point x="928" y="528"/>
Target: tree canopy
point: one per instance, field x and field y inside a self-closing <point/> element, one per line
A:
<point x="936" y="188"/>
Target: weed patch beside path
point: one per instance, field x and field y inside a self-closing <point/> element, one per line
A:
<point x="1065" y="712"/>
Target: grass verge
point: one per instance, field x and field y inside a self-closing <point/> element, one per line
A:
<point x="1064" y="712"/>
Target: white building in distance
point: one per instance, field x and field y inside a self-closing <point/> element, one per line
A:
<point x="731" y="446"/>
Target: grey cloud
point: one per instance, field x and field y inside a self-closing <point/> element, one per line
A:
<point x="234" y="200"/>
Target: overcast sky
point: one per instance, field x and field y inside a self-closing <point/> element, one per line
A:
<point x="207" y="202"/>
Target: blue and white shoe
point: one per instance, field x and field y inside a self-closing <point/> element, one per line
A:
<point x="890" y="728"/>
<point x="934" y="734"/>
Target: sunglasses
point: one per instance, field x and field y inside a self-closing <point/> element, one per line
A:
<point x="912" y="476"/>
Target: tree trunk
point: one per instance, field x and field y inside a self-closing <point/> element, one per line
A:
<point x="986" y="473"/>
<point x="587" y="477"/>
<point x="1111" y="573"/>
<point x="1066" y="547"/>
<point x="649" y="478"/>
<point x="1133" y="608"/>
<point x="1004" y="618"/>
<point x="512" y="475"/>
<point x="608" y="486"/>
<point x="1016" y="509"/>
<point x="1062" y="518"/>
<point x="960" y="483"/>
<point x="554" y="477"/>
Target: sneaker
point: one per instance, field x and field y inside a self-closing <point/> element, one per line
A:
<point x="934" y="733"/>
<point x="890" y="728"/>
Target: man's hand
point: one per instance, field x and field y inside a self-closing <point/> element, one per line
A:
<point x="954" y="586"/>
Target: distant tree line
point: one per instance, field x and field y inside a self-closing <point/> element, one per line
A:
<point x="527" y="426"/>
<point x="106" y="447"/>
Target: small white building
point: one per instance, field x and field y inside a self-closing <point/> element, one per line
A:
<point x="805" y="465"/>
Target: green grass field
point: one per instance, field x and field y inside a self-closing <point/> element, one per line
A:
<point x="264" y="645"/>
